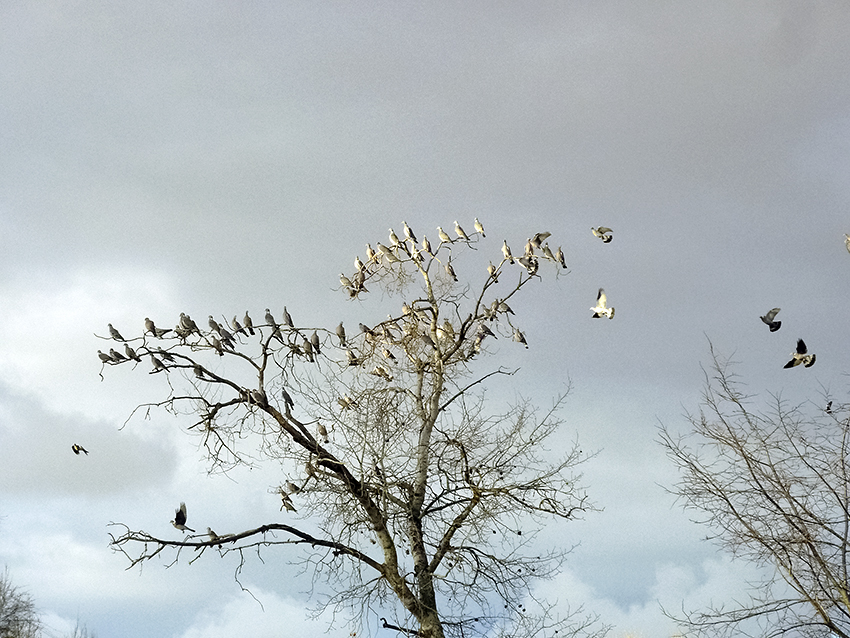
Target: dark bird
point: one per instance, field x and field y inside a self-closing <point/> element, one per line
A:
<point x="131" y="353"/>
<point x="248" y="323"/>
<point x="180" y="519"/>
<point x="800" y="356"/>
<point x="829" y="408"/>
<point x="104" y="357"/>
<point x="768" y="319"/>
<point x="79" y="448"/>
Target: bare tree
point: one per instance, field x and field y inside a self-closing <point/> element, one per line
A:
<point x="410" y="496"/>
<point x="18" y="616"/>
<point x="774" y="488"/>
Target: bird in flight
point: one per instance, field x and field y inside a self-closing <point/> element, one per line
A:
<point x="604" y="233"/>
<point x="601" y="309"/>
<point x="79" y="448"/>
<point x="180" y="519"/>
<point x="800" y="355"/>
<point x="768" y="319"/>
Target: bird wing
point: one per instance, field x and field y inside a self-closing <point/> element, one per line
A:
<point x="768" y="316"/>
<point x="601" y="299"/>
<point x="801" y="347"/>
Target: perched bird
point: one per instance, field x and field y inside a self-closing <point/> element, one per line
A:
<point x="116" y="356"/>
<point x="131" y="353"/>
<point x="506" y="251"/>
<point x="479" y="227"/>
<point x="270" y="318"/>
<point x="530" y="263"/>
<point x="104" y="357"/>
<point x="157" y="365"/>
<point x="768" y="319"/>
<point x="314" y="341"/>
<point x="249" y="324"/>
<point x="371" y="255"/>
<point x="292" y="488"/>
<point x="829" y="407"/>
<point x="359" y="265"/>
<point x="352" y="359"/>
<point x="603" y="233"/>
<point x="519" y="337"/>
<point x="409" y="233"/>
<point x="384" y="250"/>
<point x="213" y="536"/>
<point x="345" y="281"/>
<point x="800" y="356"/>
<point x="287" y="320"/>
<point x="340" y="332"/>
<point x="180" y="519"/>
<point x="323" y="432"/>
<point x="601" y="309"/>
<point x="547" y="253"/>
<point x="460" y="232"/>
<point x="560" y="257"/>
<point x="237" y="327"/>
<point x="491" y="270"/>
<point x="214" y="325"/>
<point x="450" y="270"/>
<point x="444" y="238"/>
<point x="150" y="327"/>
<point x="394" y="240"/>
<point x="426" y="245"/>
<point x="287" y="399"/>
<point x="286" y="501"/>
<point x="538" y="238"/>
<point x="79" y="448"/>
<point x="114" y="333"/>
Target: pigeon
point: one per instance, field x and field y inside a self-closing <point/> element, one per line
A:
<point x="479" y="227"/>
<point x="426" y="245"/>
<point x="104" y="357"/>
<point x="384" y="250"/>
<point x="538" y="238"/>
<point x="270" y="318"/>
<point x="157" y="365"/>
<point x="237" y="327"/>
<point x="79" y="448"/>
<point x="519" y="337"/>
<point x="506" y="251"/>
<point x="115" y="334"/>
<point x="394" y="240"/>
<point x="323" y="432"/>
<point x="560" y="257"/>
<point x="494" y="274"/>
<point x="214" y="325"/>
<point x="180" y="519"/>
<point x="287" y="320"/>
<point x="547" y="253"/>
<point x="286" y="501"/>
<point x="249" y="324"/>
<point x="601" y="309"/>
<point x="345" y="281"/>
<point x="116" y="356"/>
<point x="444" y="238"/>
<point x="371" y="255"/>
<point x="314" y="341"/>
<point x="292" y="488"/>
<point x="287" y="399"/>
<point x="131" y="353"/>
<point x="213" y="536"/>
<point x="150" y="327"/>
<point x="460" y="232"/>
<point x="359" y="265"/>
<point x="603" y="233"/>
<point x="450" y="270"/>
<point x="768" y="319"/>
<point x="409" y="233"/>
<point x="340" y="332"/>
<point x="530" y="263"/>
<point x="800" y="356"/>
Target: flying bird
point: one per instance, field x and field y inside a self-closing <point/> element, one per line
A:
<point x="479" y="227"/>
<point x="180" y="519"/>
<point x="601" y="309"/>
<point x="538" y="238"/>
<point x="115" y="334"/>
<point x="79" y="448"/>
<point x="603" y="233"/>
<point x="800" y="356"/>
<point x="768" y="319"/>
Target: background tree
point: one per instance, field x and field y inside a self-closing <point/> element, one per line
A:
<point x="18" y="615"/>
<point x="411" y="497"/>
<point x="774" y="488"/>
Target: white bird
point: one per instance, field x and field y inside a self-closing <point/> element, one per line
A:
<point x="359" y="265"/>
<point x="547" y="253"/>
<point x="601" y="309"/>
<point x="394" y="240"/>
<point x="426" y="245"/>
<point x="506" y="251"/>
<point x="384" y="250"/>
<point x="450" y="270"/>
<point x="768" y="319"/>
<point x="444" y="238"/>
<point x="409" y="233"/>
<point x="345" y="281"/>
<point x="560" y="257"/>
<point x="213" y="536"/>
<point x="180" y="519"/>
<point x="530" y="263"/>
<point x="249" y="324"/>
<point x="371" y="255"/>
<point x="603" y="233"/>
<point x="519" y="337"/>
<point x="115" y="334"/>
<point x="800" y="356"/>
<point x="538" y="238"/>
<point x="479" y="227"/>
<point x="460" y="232"/>
<point x="79" y="448"/>
<point x="491" y="270"/>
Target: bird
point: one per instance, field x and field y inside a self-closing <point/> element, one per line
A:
<point x="270" y="318"/>
<point x="506" y="251"/>
<point x="519" y="337"/>
<point x="287" y="320"/>
<point x="115" y="334"/>
<point x="340" y="332"/>
<point x="479" y="227"/>
<point x="829" y="407"/>
<point x="358" y="264"/>
<point x="287" y="399"/>
<point x="214" y="325"/>
<point x="426" y="245"/>
<point x="460" y="232"/>
<point x="800" y="356"/>
<point x="249" y="324"/>
<point x="529" y="262"/>
<point x="213" y="536"/>
<point x="79" y="448"/>
<point x="394" y="240"/>
<point x="538" y="238"/>
<point x="409" y="233"/>
<point x="180" y="519"/>
<point x="116" y="356"/>
<point x="150" y="327"/>
<point x="314" y="341"/>
<point x="768" y="319"/>
<point x="547" y="253"/>
<point x="450" y="270"/>
<point x="847" y="241"/>
<point x="493" y="272"/>
<point x="131" y="353"/>
<point x="286" y="501"/>
<point x="444" y="238"/>
<point x="237" y="327"/>
<point x="603" y="233"/>
<point x="601" y="309"/>
<point x="104" y="357"/>
<point x="371" y="255"/>
<point x="292" y="488"/>
<point x="345" y="281"/>
<point x="323" y="432"/>
<point x="157" y="365"/>
<point x="560" y="257"/>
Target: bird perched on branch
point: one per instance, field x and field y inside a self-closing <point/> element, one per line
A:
<point x="800" y="355"/>
<point x="114" y="333"/>
<point x="180" y="519"/>
<point x="79" y="448"/>
<point x="460" y="233"/>
<point x="601" y="309"/>
<point x="444" y="238"/>
<point x="479" y="227"/>
<point x="249" y="324"/>
<point x="768" y="319"/>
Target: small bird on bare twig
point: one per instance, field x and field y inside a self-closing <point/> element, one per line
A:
<point x="114" y="333"/>
<point x="249" y="324"/>
<point x="180" y="519"/>
<point x="460" y="232"/>
<point x="506" y="251"/>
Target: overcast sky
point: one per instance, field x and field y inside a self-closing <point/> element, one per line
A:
<point x="162" y="157"/>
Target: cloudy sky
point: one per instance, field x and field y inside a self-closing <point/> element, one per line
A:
<point x="211" y="157"/>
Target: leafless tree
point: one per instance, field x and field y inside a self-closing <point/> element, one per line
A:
<point x="412" y="496"/>
<point x="773" y="486"/>
<point x="18" y="615"/>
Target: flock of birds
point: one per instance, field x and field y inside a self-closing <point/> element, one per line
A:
<point x="801" y="353"/>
